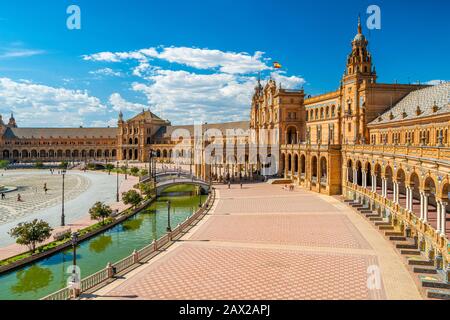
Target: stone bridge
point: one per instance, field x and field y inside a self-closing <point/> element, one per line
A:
<point x="162" y="185"/>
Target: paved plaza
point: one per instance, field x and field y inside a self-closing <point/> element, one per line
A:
<point x="262" y="242"/>
<point x="82" y="190"/>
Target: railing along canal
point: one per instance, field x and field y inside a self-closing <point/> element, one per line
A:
<point x="111" y="269"/>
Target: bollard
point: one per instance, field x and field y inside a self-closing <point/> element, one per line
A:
<point x="155" y="247"/>
<point x="431" y="254"/>
<point x="439" y="261"/>
<point x="447" y="273"/>
<point x="408" y="232"/>
<point x="110" y="270"/>
<point x="135" y="257"/>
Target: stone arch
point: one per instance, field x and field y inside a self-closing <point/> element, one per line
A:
<point x="414" y="183"/>
<point x="350" y="170"/>
<point x="34" y="153"/>
<point x="289" y="162"/>
<point x="400" y="177"/>
<point x="368" y="169"/>
<point x="323" y="170"/>
<point x="358" y="173"/>
<point x="114" y="153"/>
<point x="25" y="153"/>
<point x="15" y="154"/>
<point x="302" y="165"/>
<point x="389" y="177"/>
<point x="295" y="163"/>
<point x="291" y="135"/>
<point x="42" y="154"/>
<point x="314" y="169"/>
<point x="430" y="188"/>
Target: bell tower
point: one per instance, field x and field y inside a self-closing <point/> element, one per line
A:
<point x="359" y="74"/>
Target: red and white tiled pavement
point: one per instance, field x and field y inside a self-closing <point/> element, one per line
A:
<point x="262" y="242"/>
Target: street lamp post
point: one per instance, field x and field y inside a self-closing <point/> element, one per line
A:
<point x="63" y="217"/>
<point x="117" y="181"/>
<point x="74" y="247"/>
<point x="126" y="170"/>
<point x="169" y="228"/>
<point x="200" y="197"/>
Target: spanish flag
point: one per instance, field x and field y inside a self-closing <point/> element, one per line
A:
<point x="276" y="65"/>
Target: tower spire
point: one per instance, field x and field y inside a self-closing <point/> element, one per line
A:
<point x="359" y="24"/>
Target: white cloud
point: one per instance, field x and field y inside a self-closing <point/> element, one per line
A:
<point x="226" y="62"/>
<point x="292" y="82"/>
<point x="118" y="103"/>
<point x="106" y="72"/>
<point x="185" y="97"/>
<point x="41" y="105"/>
<point x="435" y="82"/>
<point x="20" y="53"/>
<point x="220" y="92"/>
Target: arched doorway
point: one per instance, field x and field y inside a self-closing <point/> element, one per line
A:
<point x="296" y="164"/>
<point x="414" y="183"/>
<point x="291" y="135"/>
<point x="323" y="171"/>
<point x="401" y="178"/>
<point x="388" y="176"/>
<point x="430" y="212"/>
<point x="314" y="169"/>
<point x="350" y="170"/>
<point x="358" y="173"/>
<point x="302" y="166"/>
<point x="368" y="175"/>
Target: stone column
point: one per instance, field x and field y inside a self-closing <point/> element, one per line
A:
<point x="407" y="198"/>
<point x="383" y="184"/>
<point x="421" y="205"/>
<point x="374" y="183"/>
<point x="438" y="216"/>
<point x="411" y="199"/>
<point x="425" y="207"/>
<point x="355" y="176"/>
<point x="443" y="217"/>
<point x="364" y="178"/>
<point x="396" y="192"/>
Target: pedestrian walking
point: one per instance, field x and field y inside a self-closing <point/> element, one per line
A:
<point x="3" y="196"/>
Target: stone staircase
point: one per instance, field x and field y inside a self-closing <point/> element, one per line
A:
<point x="435" y="283"/>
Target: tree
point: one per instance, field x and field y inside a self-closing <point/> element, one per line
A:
<point x="131" y="197"/>
<point x="134" y="171"/>
<point x="100" y="211"/>
<point x="39" y="165"/>
<point x="31" y="233"/>
<point x="4" y="164"/>
<point x="147" y="189"/>
<point x="63" y="165"/>
<point x="143" y="172"/>
<point x="109" y="167"/>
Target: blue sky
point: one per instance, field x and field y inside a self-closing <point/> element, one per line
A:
<point x="198" y="60"/>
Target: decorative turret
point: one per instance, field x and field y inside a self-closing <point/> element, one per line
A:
<point x="120" y="115"/>
<point x="12" y="122"/>
<point x="359" y="61"/>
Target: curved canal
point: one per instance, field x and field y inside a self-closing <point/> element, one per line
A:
<point x="49" y="275"/>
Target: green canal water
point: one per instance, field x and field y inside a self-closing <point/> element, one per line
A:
<point x="49" y="275"/>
